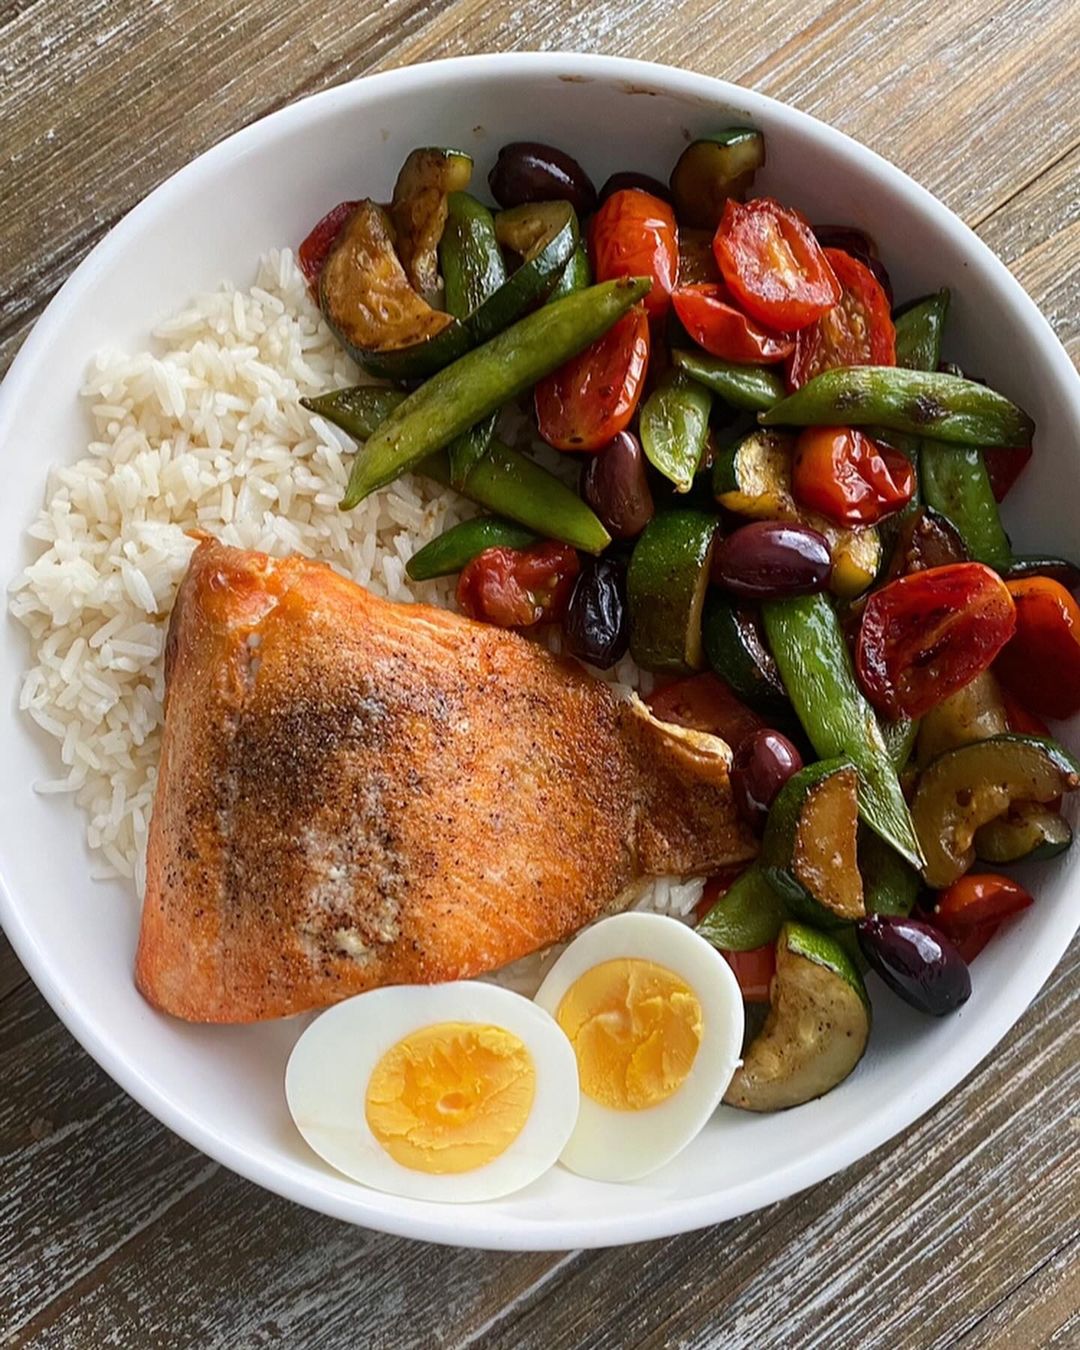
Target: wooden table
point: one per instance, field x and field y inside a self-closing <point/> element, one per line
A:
<point x="114" y="1232"/>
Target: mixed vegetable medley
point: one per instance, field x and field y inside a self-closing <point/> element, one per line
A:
<point x="787" y="510"/>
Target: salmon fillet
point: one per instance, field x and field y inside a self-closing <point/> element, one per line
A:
<point x="355" y="793"/>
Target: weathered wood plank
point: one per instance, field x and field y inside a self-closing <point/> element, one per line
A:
<point x="12" y="975"/>
<point x="1043" y="1311"/>
<point x="1037" y="232"/>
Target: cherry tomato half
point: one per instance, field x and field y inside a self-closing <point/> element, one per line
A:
<point x="705" y="703"/>
<point x="857" y="331"/>
<point x="516" y="588"/>
<point x="928" y="634"/>
<point x="634" y="234"/>
<point x="314" y="251"/>
<point x="972" y="940"/>
<point x="754" y="971"/>
<point x="1041" y="665"/>
<point x="978" y="898"/>
<point x="1004" y="467"/>
<point x="773" y="265"/>
<point x="849" y="478"/>
<point x="589" y="400"/>
<point x="714" y="323"/>
<point x="1021" y="722"/>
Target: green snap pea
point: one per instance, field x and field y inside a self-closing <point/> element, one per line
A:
<point x="461" y="543"/>
<point x="955" y="482"/>
<point x="756" y="388"/>
<point x="674" y="426"/>
<point x="481" y="381"/>
<point x="921" y="403"/>
<point x="749" y="915"/>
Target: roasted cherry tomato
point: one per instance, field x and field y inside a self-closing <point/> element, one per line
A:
<point x="857" y="331"/>
<point x="774" y="267"/>
<point x="848" y="478"/>
<point x="705" y="703"/>
<point x="978" y="898"/>
<point x="972" y="940"/>
<point x="707" y="314"/>
<point x="1041" y="665"/>
<point x="589" y="400"/>
<point x="1020" y="721"/>
<point x="1004" y="467"/>
<point x="754" y="971"/>
<point x="315" y="249"/>
<point x="516" y="588"/>
<point x="634" y="234"/>
<point x="927" y="635"/>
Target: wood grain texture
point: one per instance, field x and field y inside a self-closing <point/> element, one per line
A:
<point x="965" y="1232"/>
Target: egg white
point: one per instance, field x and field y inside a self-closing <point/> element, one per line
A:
<point x="609" y="1145"/>
<point x="328" y="1071"/>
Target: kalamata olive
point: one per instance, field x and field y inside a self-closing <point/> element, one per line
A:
<point x="916" y="961"/>
<point x="596" y="627"/>
<point x="527" y="171"/>
<point x="761" y="766"/>
<point x="640" y="182"/>
<point x="616" y="485"/>
<point x="769" y="559"/>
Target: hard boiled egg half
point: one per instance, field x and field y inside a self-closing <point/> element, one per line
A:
<point x="442" y="1092"/>
<point x="655" y="1018"/>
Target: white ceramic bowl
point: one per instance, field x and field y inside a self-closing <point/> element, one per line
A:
<point x="221" y="1088"/>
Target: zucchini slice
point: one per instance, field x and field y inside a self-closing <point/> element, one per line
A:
<point x="809" y="853"/>
<point x="1027" y="832"/>
<point x="736" y="650"/>
<point x="375" y="313"/>
<point x="711" y="170"/>
<point x="974" y="713"/>
<point x="418" y="210"/>
<point x="964" y="788"/>
<point x="816" y="1030"/>
<point x="666" y="584"/>
<point x="890" y="883"/>
<point x="697" y="263"/>
<point x="753" y="478"/>
<point x="545" y="235"/>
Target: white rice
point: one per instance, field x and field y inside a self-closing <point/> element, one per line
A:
<point x="204" y="432"/>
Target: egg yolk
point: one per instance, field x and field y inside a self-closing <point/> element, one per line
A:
<point x="451" y="1097"/>
<point x="635" y="1028"/>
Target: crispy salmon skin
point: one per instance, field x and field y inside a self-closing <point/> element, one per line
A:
<point x="355" y="793"/>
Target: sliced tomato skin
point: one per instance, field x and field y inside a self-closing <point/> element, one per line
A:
<point x="1041" y="665"/>
<point x="754" y="971"/>
<point x="706" y="312"/>
<point x="978" y="898"/>
<point x="857" y="331"/>
<point x="972" y="940"/>
<point x="705" y="703"/>
<point x="517" y="588"/>
<point x="848" y="477"/>
<point x="1004" y="467"/>
<point x="314" y="251"/>
<point x="927" y="635"/>
<point x="634" y="234"/>
<point x="586" y="402"/>
<point x="1020" y="721"/>
<point x="773" y="265"/>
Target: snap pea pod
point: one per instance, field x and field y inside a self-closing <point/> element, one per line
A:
<point x="900" y="737"/>
<point x="806" y="641"/>
<point x="461" y="543"/>
<point x="484" y="379"/>
<point x="919" y="328"/>
<point x="921" y="403"/>
<point x="505" y="481"/>
<point x="674" y="427"/>
<point x="748" y="915"/>
<point x="756" y="388"/>
<point x="890" y="885"/>
<point x="955" y="482"/>
<point x="473" y="270"/>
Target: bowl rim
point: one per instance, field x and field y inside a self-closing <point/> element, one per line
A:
<point x="511" y="1232"/>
